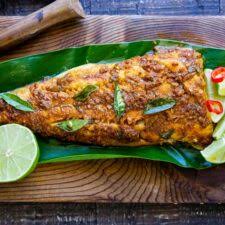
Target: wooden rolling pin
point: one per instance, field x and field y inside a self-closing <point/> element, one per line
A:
<point x="58" y="11"/>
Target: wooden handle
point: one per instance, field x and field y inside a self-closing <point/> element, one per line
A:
<point x="58" y="11"/>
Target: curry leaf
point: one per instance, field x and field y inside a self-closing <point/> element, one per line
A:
<point x="119" y="104"/>
<point x="158" y="105"/>
<point x="17" y="102"/>
<point x="72" y="125"/>
<point x="83" y="95"/>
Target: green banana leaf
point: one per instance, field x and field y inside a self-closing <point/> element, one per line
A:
<point x="22" y="71"/>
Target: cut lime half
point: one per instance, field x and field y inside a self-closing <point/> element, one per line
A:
<point x="215" y="153"/>
<point x="19" y="152"/>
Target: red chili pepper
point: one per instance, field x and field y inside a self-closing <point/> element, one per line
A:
<point x="218" y="75"/>
<point x="214" y="106"/>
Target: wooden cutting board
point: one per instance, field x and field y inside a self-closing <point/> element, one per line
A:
<point x="119" y="180"/>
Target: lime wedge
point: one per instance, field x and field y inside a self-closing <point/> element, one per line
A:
<point x="19" y="152"/>
<point x="221" y="88"/>
<point x="215" y="153"/>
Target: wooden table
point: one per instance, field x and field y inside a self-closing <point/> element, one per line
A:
<point x="69" y="213"/>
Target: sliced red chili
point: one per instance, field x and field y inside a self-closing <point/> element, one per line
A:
<point x="214" y="106"/>
<point x="218" y="75"/>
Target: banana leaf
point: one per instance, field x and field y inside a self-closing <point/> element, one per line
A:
<point x="22" y="71"/>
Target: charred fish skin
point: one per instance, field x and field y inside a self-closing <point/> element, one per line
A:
<point x="175" y="73"/>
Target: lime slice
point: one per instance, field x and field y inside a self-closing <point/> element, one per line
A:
<point x="219" y="131"/>
<point x="215" y="153"/>
<point x="211" y="90"/>
<point x="19" y="152"/>
<point x="221" y="88"/>
<point x="212" y="93"/>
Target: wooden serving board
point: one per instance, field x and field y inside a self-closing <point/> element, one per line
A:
<point x="119" y="180"/>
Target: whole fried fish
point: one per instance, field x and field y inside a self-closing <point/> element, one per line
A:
<point x="113" y="100"/>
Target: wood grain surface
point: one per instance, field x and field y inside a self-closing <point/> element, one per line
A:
<point x="122" y="180"/>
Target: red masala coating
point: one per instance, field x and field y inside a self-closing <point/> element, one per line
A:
<point x="167" y="73"/>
